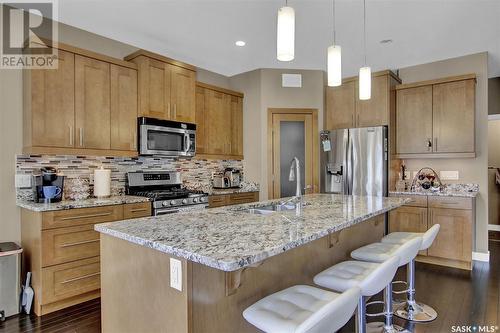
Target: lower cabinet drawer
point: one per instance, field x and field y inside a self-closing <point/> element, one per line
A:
<point x="80" y="216"/>
<point x="238" y="198"/>
<point x="69" y="244"/>
<point x="67" y="280"/>
<point x="450" y="202"/>
<point x="218" y="200"/>
<point x="136" y="210"/>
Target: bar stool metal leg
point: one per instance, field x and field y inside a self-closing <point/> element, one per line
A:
<point x="361" y="315"/>
<point x="412" y="310"/>
<point x="387" y="326"/>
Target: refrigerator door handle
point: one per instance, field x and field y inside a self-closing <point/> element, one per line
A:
<point x="348" y="162"/>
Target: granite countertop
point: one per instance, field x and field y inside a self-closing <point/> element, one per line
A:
<point x="245" y="187"/>
<point x="71" y="204"/>
<point x="230" y="238"/>
<point x="450" y="190"/>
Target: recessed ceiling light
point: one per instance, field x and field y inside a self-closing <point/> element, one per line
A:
<point x="240" y="43"/>
<point x="386" y="41"/>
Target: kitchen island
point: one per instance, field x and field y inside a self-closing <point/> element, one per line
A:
<point x="229" y="257"/>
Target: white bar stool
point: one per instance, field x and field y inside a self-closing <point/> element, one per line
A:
<point x="300" y="309"/>
<point x="413" y="310"/>
<point x="378" y="253"/>
<point x="370" y="277"/>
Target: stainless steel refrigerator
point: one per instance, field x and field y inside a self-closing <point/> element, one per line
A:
<point x="354" y="161"/>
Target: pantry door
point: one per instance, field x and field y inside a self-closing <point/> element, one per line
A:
<point x="292" y="133"/>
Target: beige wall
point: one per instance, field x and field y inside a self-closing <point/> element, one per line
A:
<point x="262" y="89"/>
<point x="11" y="118"/>
<point x="494" y="95"/>
<point x="471" y="170"/>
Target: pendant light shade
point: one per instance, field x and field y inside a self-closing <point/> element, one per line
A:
<point x="365" y="83"/>
<point x="334" y="66"/>
<point x="286" y="34"/>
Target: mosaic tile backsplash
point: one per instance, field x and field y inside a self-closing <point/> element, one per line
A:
<point x="196" y="173"/>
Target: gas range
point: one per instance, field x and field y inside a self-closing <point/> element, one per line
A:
<point x="164" y="189"/>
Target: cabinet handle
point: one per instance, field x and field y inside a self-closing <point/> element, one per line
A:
<point x="435" y="144"/>
<point x="84" y="216"/>
<point x="175" y="111"/>
<point x="71" y="135"/>
<point x="429" y="144"/>
<point x="352" y="120"/>
<point x="80" y="243"/>
<point x="168" y="110"/>
<point x="357" y="119"/>
<point x="80" y="278"/>
<point x="139" y="210"/>
<point x="81" y="136"/>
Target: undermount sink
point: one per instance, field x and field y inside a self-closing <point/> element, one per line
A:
<point x="272" y="208"/>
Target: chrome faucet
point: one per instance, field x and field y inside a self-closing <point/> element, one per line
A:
<point x="295" y="175"/>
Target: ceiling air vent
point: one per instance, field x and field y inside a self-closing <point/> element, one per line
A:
<point x="291" y="80"/>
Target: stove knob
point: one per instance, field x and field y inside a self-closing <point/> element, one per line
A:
<point x="172" y="202"/>
<point x="195" y="200"/>
<point x="203" y="199"/>
<point x="184" y="201"/>
<point x="164" y="203"/>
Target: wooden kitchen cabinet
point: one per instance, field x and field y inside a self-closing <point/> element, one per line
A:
<point x="123" y="108"/>
<point x="236" y="126"/>
<point x="414" y="120"/>
<point x="436" y="119"/>
<point x="166" y="87"/>
<point x="408" y="219"/>
<point x="453" y="116"/>
<point x="374" y="112"/>
<point x="454" y="240"/>
<point x="455" y="215"/>
<point x="62" y="251"/>
<point x="92" y="103"/>
<point x="49" y="104"/>
<point x="345" y="110"/>
<point x="232" y="199"/>
<point x="87" y="106"/>
<point x="341" y="106"/>
<point x="219" y="122"/>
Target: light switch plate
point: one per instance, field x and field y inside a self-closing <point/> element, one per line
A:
<point x="176" y="274"/>
<point x="449" y="175"/>
<point x="22" y="181"/>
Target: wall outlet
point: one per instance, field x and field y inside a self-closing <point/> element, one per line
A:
<point x="176" y="274"/>
<point x="448" y="175"/>
<point x="22" y="181"/>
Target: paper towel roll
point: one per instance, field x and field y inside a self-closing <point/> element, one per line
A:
<point x="102" y="183"/>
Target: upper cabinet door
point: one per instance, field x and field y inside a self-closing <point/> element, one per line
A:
<point x="201" y="109"/>
<point x="374" y="112"/>
<point x="154" y="88"/>
<point x="123" y="108"/>
<point x="53" y="104"/>
<point x="183" y="94"/>
<point x="454" y="114"/>
<point x="219" y="127"/>
<point x="414" y="120"/>
<point x="92" y="103"/>
<point x="236" y="125"/>
<point x="340" y="106"/>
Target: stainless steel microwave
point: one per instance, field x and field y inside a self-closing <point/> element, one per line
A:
<point x="164" y="137"/>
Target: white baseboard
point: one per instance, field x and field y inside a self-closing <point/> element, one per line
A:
<point x="494" y="227"/>
<point x="481" y="256"/>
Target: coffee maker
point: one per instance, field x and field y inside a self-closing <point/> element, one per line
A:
<point x="47" y="185"/>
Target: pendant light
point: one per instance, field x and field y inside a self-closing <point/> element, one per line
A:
<point x="285" y="48"/>
<point x="334" y="62"/>
<point x="365" y="72"/>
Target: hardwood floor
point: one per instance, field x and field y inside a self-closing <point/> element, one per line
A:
<point x="459" y="297"/>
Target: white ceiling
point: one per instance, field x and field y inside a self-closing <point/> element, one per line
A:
<point x="203" y="32"/>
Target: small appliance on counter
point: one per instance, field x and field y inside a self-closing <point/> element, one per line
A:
<point x="48" y="185"/>
<point x="102" y="183"/>
<point x="230" y="178"/>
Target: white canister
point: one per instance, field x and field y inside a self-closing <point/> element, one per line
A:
<point x="102" y="183"/>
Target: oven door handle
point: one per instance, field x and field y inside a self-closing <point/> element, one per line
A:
<point x="165" y="211"/>
<point x="187" y="142"/>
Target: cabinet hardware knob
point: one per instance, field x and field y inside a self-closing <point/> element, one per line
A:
<point x="71" y="135"/>
<point x="81" y="136"/>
